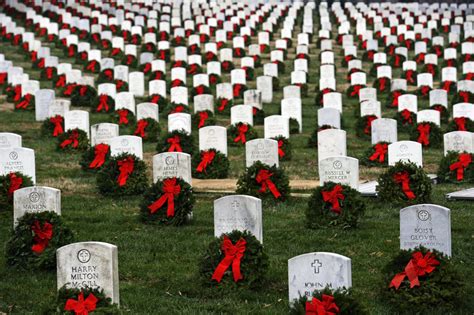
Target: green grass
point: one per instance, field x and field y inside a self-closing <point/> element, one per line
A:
<point x="158" y="265"/>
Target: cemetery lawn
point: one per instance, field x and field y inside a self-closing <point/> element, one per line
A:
<point x="158" y="266"/>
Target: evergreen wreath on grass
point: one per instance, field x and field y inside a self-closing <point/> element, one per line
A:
<point x="83" y="95"/>
<point x="95" y="157"/>
<point x="428" y="134"/>
<point x="240" y="133"/>
<point x="53" y="126"/>
<point x="106" y="76"/>
<point x="26" y="102"/>
<point x="354" y="90"/>
<point x="456" y="167"/>
<point x="176" y="141"/>
<point x="148" y="129"/>
<point x="174" y="108"/>
<point x="248" y="261"/>
<point x="405" y="118"/>
<point x="159" y="100"/>
<point x="364" y="126"/>
<point x="121" y="86"/>
<point x="122" y="175"/>
<point x="443" y="112"/>
<point x="200" y="90"/>
<point x="238" y="90"/>
<point x="130" y="60"/>
<point x="93" y="300"/>
<point x="36" y="238"/>
<point x="340" y="301"/>
<point x="73" y="141"/>
<point x="376" y="155"/>
<point x="404" y="183"/>
<point x="103" y="103"/>
<point x="284" y="148"/>
<point x="433" y="283"/>
<point x="392" y="100"/>
<point x="264" y="182"/>
<point x="124" y="117"/>
<point x="49" y="73"/>
<point x="203" y="118"/>
<point x="169" y="201"/>
<point x="223" y="105"/>
<point x="8" y="184"/>
<point x="210" y="164"/>
<point x="461" y="124"/>
<point x="258" y="116"/>
<point x="334" y="204"/>
<point x="382" y="85"/>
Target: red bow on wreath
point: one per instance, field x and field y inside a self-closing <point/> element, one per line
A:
<point x="333" y="196"/>
<point x="174" y="144"/>
<point x="447" y="86"/>
<point x="206" y="158"/>
<point x="356" y="90"/>
<point x="381" y="150"/>
<point x="465" y="96"/>
<point x="281" y="153"/>
<point x="233" y="254"/>
<point x="73" y="140"/>
<point x="61" y="81"/>
<point x="155" y="98"/>
<point x="382" y="84"/>
<point x="326" y="306"/>
<point x="42" y="236"/>
<point x="200" y="90"/>
<point x="25" y="102"/>
<point x="237" y="90"/>
<point x="130" y="59"/>
<point x="103" y="103"/>
<point x="100" y="151"/>
<point x="141" y="126"/>
<point x="15" y="183"/>
<point x="34" y="56"/>
<point x="49" y="73"/>
<point x="176" y="83"/>
<point x="108" y="74"/>
<point x="460" y="123"/>
<point x="81" y="306"/>
<point x="263" y="178"/>
<point x="203" y="116"/>
<point x="406" y="115"/>
<point x="92" y="66"/>
<point x="409" y="76"/>
<point x="123" y="116"/>
<point x="419" y="265"/>
<point x="424" y="134"/>
<point x="58" y="127"/>
<point x="223" y="104"/>
<point x="115" y="52"/>
<point x="425" y="89"/>
<point x="368" y="124"/>
<point x="242" y="130"/>
<point x="126" y="167"/>
<point x="3" y="77"/>
<point x="464" y="160"/>
<point x="170" y="191"/>
<point x="17" y="91"/>
<point x="177" y="109"/>
<point x="403" y="178"/>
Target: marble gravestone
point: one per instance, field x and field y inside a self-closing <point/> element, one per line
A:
<point x="103" y="133"/>
<point x="18" y="160"/>
<point x="331" y="142"/>
<point x="384" y="130"/>
<point x="10" y="140"/>
<point x="77" y="119"/>
<point x="148" y="110"/>
<point x="277" y="125"/>
<point x="263" y="150"/>
<point x="89" y="264"/>
<point x="427" y="225"/>
<point x="43" y="100"/>
<point x="265" y="85"/>
<point x="35" y="199"/>
<point x="339" y="169"/>
<point x="405" y="151"/>
<point x="458" y="141"/>
<point x="179" y="121"/>
<point x="328" y="116"/>
<point x="238" y="212"/>
<point x="241" y="114"/>
<point x="316" y="271"/>
<point x="213" y="137"/>
<point x="172" y="164"/>
<point x="59" y="107"/>
<point x="126" y="144"/>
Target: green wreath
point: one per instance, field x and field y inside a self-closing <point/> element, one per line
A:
<point x="443" y="112"/>
<point x="103" y="103"/>
<point x="456" y="123"/>
<point x="107" y="177"/>
<point x="183" y="203"/>
<point x="185" y="142"/>
<point x="150" y="133"/>
<point x="7" y="189"/>
<point x="48" y="127"/>
<point x="284" y="148"/>
<point x="73" y="141"/>
<point x="376" y="155"/>
<point x="210" y="120"/>
<point x="253" y="264"/>
<point x="27" y="250"/>
<point x="343" y="208"/>
<point x="103" y="305"/>
<point x="463" y="168"/>
<point x="363" y="126"/>
<point x="419" y="184"/>
<point x="441" y="291"/>
<point x="128" y="121"/>
<point x="218" y="167"/>
<point x="405" y="118"/>
<point x="247" y="183"/>
<point x="28" y="100"/>
<point x="344" y="299"/>
<point x="435" y="136"/>
<point x="89" y="156"/>
<point x="86" y="99"/>
<point x="258" y="116"/>
<point x="233" y="134"/>
<point x="173" y="108"/>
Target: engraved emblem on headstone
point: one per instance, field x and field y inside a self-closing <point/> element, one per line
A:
<point x="34" y="197"/>
<point x="423" y="215"/>
<point x="403" y="148"/>
<point x="235" y="205"/>
<point x="13" y="155"/>
<point x="83" y="256"/>
<point x="211" y="132"/>
<point x="3" y="141"/>
<point x="337" y="164"/>
<point x="316" y="264"/>
<point x="169" y="160"/>
<point x="124" y="142"/>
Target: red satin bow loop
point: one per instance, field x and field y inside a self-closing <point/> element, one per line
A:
<point x="233" y="254"/>
<point x="15" y="183"/>
<point x="333" y="196"/>
<point x="263" y="178"/>
<point x="81" y="306"/>
<point x="42" y="236"/>
<point x="424" y="134"/>
<point x="100" y="152"/>
<point x="242" y="130"/>
<point x="325" y="306"/>
<point x="126" y="167"/>
<point x="73" y="140"/>
<point x="464" y="160"/>
<point x="419" y="265"/>
<point x="380" y="152"/>
<point x="174" y="144"/>
<point x="58" y="127"/>
<point x="170" y="191"/>
<point x="403" y="178"/>
<point x="206" y="158"/>
<point x="141" y="126"/>
<point x="203" y="116"/>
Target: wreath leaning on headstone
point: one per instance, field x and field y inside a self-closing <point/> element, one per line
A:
<point x="8" y="184"/>
<point x="169" y="201"/>
<point x="427" y="133"/>
<point x="340" y="301"/>
<point x="456" y="167"/>
<point x="176" y="141"/>
<point x="334" y="204"/>
<point x="376" y="155"/>
<point x="210" y="164"/>
<point x="74" y="140"/>
<point x="124" y="174"/>
<point x="148" y="129"/>
<point x="284" y="148"/>
<point x="240" y="133"/>
<point x="265" y="182"/>
<point x="95" y="157"/>
<point x="404" y="183"/>
<point x="35" y="239"/>
<point x="235" y="259"/>
<point x="203" y="118"/>
<point x="53" y="126"/>
<point x="418" y="281"/>
<point x="76" y="301"/>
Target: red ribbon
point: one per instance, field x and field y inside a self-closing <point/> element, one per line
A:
<point x="206" y="158"/>
<point x="368" y="124"/>
<point x="176" y="83"/>
<point x="25" y="102"/>
<point x="103" y="104"/>
<point x="420" y="58"/>
<point x="141" y="126"/>
<point x="109" y="75"/>
<point x="263" y="178"/>
<point x="115" y="52"/>
<point x="34" y="56"/>
<point x="210" y="56"/>
<point x="130" y="59"/>
<point x="460" y="123"/>
<point x="469" y="76"/>
<point x="100" y="152"/>
<point x="465" y="96"/>
<point x="356" y="90"/>
<point x="81" y="306"/>
<point x="325" y="306"/>
<point x="409" y="76"/>
<point x="397" y="61"/>
<point x="126" y="167"/>
<point x="71" y="51"/>
<point x="382" y="84"/>
<point x="203" y="116"/>
<point x="119" y="84"/>
<point x="406" y="115"/>
<point x="3" y="77"/>
<point x="72" y="140"/>
<point x="281" y="153"/>
<point x="15" y="183"/>
<point x="418" y="265"/>
<point x="242" y="130"/>
<point x="57" y="121"/>
<point x="174" y="144"/>
<point x="147" y="68"/>
<point x="425" y="89"/>
<point x="177" y="109"/>
<point x="155" y="98"/>
<point x="42" y="236"/>
<point x="403" y="178"/>
<point x="200" y="90"/>
<point x="170" y="191"/>
<point x="380" y="152"/>
<point x="333" y="196"/>
<point x="233" y="254"/>
<point x="49" y="73"/>
<point x="123" y="116"/>
<point x="464" y="160"/>
<point x="222" y="105"/>
<point x="82" y="90"/>
<point x="237" y="90"/>
<point x="61" y="81"/>
<point x="83" y="55"/>
<point x="424" y="134"/>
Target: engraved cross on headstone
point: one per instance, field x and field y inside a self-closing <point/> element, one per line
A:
<point x="235" y="205"/>
<point x="316" y="264"/>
